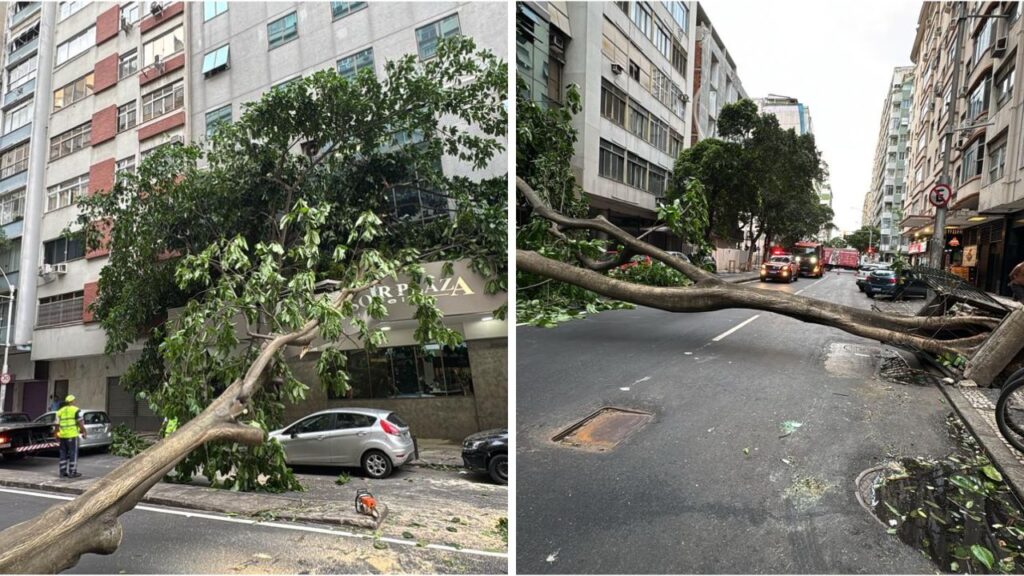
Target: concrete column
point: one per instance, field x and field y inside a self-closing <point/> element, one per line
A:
<point x="35" y="193"/>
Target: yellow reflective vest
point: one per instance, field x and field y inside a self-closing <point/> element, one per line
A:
<point x="67" y="420"/>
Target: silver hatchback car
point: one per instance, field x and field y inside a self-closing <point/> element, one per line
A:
<point x="378" y="441"/>
<point x="97" y="427"/>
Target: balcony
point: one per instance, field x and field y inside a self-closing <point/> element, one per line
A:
<point x="12" y="182"/>
<point x="24" y="14"/>
<point x="22" y="54"/>
<point x="23" y="92"/>
<point x="13" y="230"/>
<point x="15" y="137"/>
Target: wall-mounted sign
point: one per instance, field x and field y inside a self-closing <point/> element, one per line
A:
<point x="461" y="293"/>
<point x="970" y="255"/>
<point x="918" y="247"/>
<point x="954" y="242"/>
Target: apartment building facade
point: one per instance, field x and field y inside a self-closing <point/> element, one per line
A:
<point x="124" y="79"/>
<point x="791" y="113"/>
<point x="637" y="68"/>
<point x="888" y="174"/>
<point x="984" y="233"/>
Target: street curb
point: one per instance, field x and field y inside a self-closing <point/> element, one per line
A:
<point x="173" y="503"/>
<point x="987" y="435"/>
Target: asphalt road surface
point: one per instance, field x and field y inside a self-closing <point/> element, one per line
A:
<point x="160" y="540"/>
<point x="708" y="485"/>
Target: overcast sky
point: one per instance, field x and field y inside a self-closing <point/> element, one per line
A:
<point x="837" y="58"/>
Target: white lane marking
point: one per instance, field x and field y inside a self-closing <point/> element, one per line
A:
<point x="808" y="287"/>
<point x="328" y="531"/>
<point x="735" y="328"/>
<point x="644" y="379"/>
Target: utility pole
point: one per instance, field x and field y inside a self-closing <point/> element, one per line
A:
<point x="938" y="245"/>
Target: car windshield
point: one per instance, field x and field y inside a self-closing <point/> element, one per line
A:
<point x="883" y="272"/>
<point x="396" y="420"/>
<point x="13" y="418"/>
<point x="782" y="259"/>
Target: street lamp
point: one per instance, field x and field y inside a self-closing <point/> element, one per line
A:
<point x="7" y="344"/>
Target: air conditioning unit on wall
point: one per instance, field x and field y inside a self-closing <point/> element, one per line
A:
<point x="61" y="268"/>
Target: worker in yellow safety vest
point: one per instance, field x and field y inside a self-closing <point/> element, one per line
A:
<point x="69" y="425"/>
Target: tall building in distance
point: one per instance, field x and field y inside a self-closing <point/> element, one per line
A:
<point x="984" y="229"/>
<point x="889" y="170"/>
<point x="91" y="88"/>
<point x="792" y="113"/>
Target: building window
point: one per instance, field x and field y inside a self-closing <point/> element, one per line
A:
<point x="283" y="30"/>
<point x="127" y="117"/>
<point x="69" y="8"/>
<point x="216" y="118"/>
<point x="642" y="18"/>
<point x="159" y="49"/>
<point x="216" y="61"/>
<point x="124" y="165"/>
<point x="634" y="70"/>
<point x="76" y="45"/>
<point x="977" y="104"/>
<point x="678" y="57"/>
<point x="636" y="172"/>
<point x="342" y="9"/>
<point x="163" y="100"/>
<point x="408" y="372"/>
<point x="675" y="143"/>
<point x="659" y="134"/>
<point x="73" y="92"/>
<point x="611" y="162"/>
<point x="613" y="103"/>
<point x="61" y="309"/>
<point x="973" y="160"/>
<point x="624" y="6"/>
<point x="22" y="74"/>
<point x="656" y="180"/>
<point x="128" y="64"/>
<point x="662" y="42"/>
<point x="639" y="120"/>
<point x="64" y="249"/>
<point x="1003" y="87"/>
<point x="14" y="161"/>
<point x="18" y="117"/>
<point x="982" y="41"/>
<point x="71" y="141"/>
<point x="12" y="207"/>
<point x="66" y="193"/>
<point x="996" y="162"/>
<point x="349" y="66"/>
<point x="212" y="9"/>
<point x="680" y="13"/>
<point x="428" y="36"/>
<point x="130" y="12"/>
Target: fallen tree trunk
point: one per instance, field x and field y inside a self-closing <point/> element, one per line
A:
<point x="962" y="335"/>
<point x="56" y="540"/>
<point x="1005" y="344"/>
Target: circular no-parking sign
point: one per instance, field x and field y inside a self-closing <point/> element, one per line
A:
<point x="939" y="195"/>
<point x="5" y="378"/>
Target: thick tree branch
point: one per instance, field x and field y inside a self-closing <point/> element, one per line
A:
<point x="706" y="298"/>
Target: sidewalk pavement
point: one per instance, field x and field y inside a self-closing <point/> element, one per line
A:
<point x="739" y="277"/>
<point x="422" y="498"/>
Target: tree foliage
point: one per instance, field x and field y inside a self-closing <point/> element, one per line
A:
<point x="862" y="238"/>
<point x="759" y="175"/>
<point x="219" y="246"/>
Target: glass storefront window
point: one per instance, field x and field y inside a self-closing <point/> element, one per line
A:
<point x="408" y="372"/>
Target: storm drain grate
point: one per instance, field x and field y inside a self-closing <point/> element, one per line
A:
<point x="894" y="368"/>
<point x="604" y="429"/>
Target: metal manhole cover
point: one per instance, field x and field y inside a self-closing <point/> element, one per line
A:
<point x="603" y="430"/>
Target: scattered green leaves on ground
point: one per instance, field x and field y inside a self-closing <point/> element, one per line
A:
<point x="126" y="443"/>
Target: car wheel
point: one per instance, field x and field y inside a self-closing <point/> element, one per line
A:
<point x="376" y="464"/>
<point x="870" y="295"/>
<point x="498" y="469"/>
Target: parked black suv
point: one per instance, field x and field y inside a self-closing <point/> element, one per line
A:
<point x="488" y="451"/>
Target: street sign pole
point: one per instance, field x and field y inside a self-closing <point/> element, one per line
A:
<point x="938" y="245"/>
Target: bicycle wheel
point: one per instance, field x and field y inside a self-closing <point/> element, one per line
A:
<point x="1010" y="410"/>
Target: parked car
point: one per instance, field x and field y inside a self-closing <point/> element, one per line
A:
<point x="378" y="441"/>
<point x="99" y="431"/>
<point x="781" y="267"/>
<point x="488" y="451"/>
<point x="884" y="282"/>
<point x="20" y="437"/>
<point x="14" y="418"/>
<point x="708" y="263"/>
<point x="862" y="274"/>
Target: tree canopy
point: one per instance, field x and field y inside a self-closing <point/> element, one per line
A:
<point x="862" y="238"/>
<point x="322" y="189"/>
